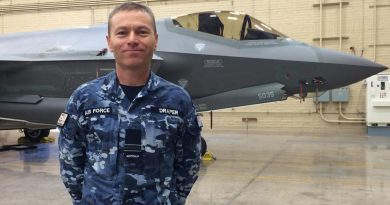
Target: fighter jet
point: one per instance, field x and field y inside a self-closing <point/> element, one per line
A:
<point x="222" y="58"/>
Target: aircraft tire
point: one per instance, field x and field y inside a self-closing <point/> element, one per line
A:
<point x="36" y="135"/>
<point x="203" y="148"/>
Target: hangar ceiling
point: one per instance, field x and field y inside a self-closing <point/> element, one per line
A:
<point x="63" y="5"/>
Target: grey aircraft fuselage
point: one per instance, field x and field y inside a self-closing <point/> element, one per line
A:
<point x="40" y="70"/>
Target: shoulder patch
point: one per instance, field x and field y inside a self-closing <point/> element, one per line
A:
<point x="62" y="119"/>
<point x="200" y="124"/>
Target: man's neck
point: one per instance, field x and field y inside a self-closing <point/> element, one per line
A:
<point x="132" y="77"/>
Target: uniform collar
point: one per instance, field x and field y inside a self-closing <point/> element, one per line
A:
<point x="153" y="83"/>
<point x="111" y="85"/>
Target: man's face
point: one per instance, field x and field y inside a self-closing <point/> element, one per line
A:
<point x="132" y="39"/>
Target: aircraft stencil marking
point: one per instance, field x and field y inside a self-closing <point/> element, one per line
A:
<point x="213" y="63"/>
<point x="266" y="95"/>
<point x="200" y="46"/>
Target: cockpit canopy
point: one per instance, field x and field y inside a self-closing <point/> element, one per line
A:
<point x="227" y="24"/>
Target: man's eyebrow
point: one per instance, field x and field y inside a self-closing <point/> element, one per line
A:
<point x="136" y="27"/>
<point x="143" y="27"/>
<point x="120" y="28"/>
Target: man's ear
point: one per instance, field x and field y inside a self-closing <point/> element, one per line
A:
<point x="156" y="41"/>
<point x="108" y="42"/>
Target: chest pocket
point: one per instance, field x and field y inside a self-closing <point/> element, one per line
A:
<point x="102" y="144"/>
<point x="159" y="142"/>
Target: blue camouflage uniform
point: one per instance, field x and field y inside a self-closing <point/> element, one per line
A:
<point x="98" y="166"/>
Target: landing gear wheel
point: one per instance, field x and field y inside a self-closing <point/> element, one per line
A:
<point x="203" y="148"/>
<point x="36" y="135"/>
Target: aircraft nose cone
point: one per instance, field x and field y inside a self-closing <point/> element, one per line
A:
<point x="361" y="65"/>
<point x="341" y="69"/>
<point x="379" y="68"/>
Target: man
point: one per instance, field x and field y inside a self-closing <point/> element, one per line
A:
<point x="129" y="137"/>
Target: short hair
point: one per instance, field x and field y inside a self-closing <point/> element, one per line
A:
<point x="131" y="6"/>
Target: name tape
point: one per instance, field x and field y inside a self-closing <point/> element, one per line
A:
<point x="168" y="111"/>
<point x="98" y="111"/>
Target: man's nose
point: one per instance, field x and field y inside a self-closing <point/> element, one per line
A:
<point x="132" y="38"/>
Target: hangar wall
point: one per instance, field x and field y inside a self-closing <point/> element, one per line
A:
<point x="360" y="27"/>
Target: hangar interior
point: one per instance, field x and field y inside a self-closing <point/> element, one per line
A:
<point x="358" y="27"/>
<point x="315" y="151"/>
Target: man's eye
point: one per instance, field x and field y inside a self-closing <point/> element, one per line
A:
<point x="143" y="32"/>
<point x="121" y="33"/>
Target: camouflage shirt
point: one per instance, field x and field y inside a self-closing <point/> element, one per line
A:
<point x="98" y="165"/>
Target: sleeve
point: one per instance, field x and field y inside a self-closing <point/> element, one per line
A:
<point x="187" y="161"/>
<point x="72" y="152"/>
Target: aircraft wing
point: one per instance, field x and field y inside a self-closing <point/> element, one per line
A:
<point x="30" y="111"/>
<point x="27" y="99"/>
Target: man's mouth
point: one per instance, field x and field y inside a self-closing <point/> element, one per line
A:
<point x="133" y="50"/>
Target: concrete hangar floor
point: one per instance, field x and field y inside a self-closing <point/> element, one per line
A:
<point x="250" y="168"/>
